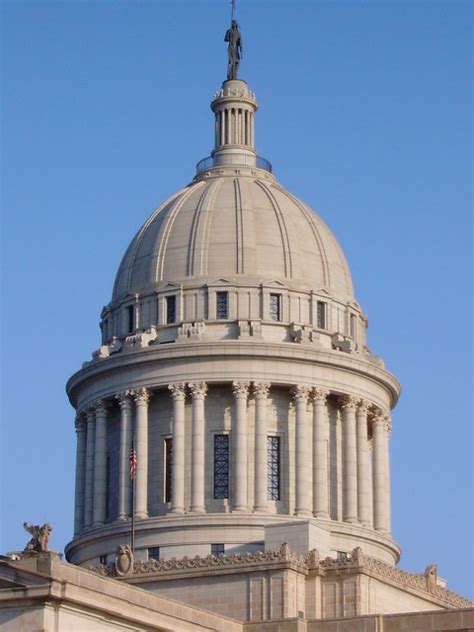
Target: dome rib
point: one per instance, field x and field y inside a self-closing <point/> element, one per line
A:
<point x="199" y="241"/>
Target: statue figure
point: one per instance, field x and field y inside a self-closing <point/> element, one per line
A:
<point x="123" y="560"/>
<point x="431" y="576"/>
<point x="235" y="50"/>
<point x="40" y="537"/>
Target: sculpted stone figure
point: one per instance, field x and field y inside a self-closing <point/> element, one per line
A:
<point x="40" y="537"/>
<point x="123" y="560"/>
<point x="235" y="49"/>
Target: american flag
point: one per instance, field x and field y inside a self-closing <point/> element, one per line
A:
<point x="133" y="464"/>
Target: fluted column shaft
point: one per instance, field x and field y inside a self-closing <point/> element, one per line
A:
<point x="141" y="396"/>
<point x="239" y="432"/>
<point x="320" y="454"/>
<point x="125" y="446"/>
<point x="79" y="505"/>
<point x="261" y="402"/>
<point x="89" y="486"/>
<point x="99" y="505"/>
<point x="381" y="471"/>
<point x="363" y="469"/>
<point x="302" y="453"/>
<point x="349" y="452"/>
<point x="198" y="393"/>
<point x="178" y="456"/>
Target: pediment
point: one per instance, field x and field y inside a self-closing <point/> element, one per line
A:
<point x="170" y="286"/>
<point x="221" y="281"/>
<point x="275" y="283"/>
<point x="323" y="291"/>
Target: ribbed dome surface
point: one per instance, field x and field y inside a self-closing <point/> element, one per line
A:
<point x="229" y="226"/>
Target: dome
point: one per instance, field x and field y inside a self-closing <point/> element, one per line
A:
<point x="234" y="226"/>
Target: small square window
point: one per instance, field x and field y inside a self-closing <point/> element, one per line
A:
<point x="154" y="553"/>
<point x="171" y="309"/>
<point x="103" y="560"/>
<point x="275" y="307"/>
<point x="222" y="305"/>
<point x="321" y="315"/>
<point x="217" y="549"/>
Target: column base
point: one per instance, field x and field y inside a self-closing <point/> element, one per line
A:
<point x="198" y="510"/>
<point x="261" y="509"/>
<point x="96" y="524"/>
<point x="240" y="509"/>
<point x="351" y="520"/>
<point x="305" y="513"/>
<point x="141" y="516"/>
<point x="176" y="510"/>
<point x="321" y="515"/>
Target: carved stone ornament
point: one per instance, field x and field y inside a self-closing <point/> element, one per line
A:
<point x="349" y="402"/>
<point x="100" y="408"/>
<point x="431" y="576"/>
<point x="198" y="389"/>
<point x="240" y="389"/>
<point x="123" y="560"/>
<point x="141" y="396"/>
<point x="320" y="395"/>
<point x="141" y="340"/>
<point x="382" y="418"/>
<point x="124" y="399"/>
<point x="104" y="351"/>
<point x="40" y="537"/>
<point x="261" y="389"/>
<point x="178" y="390"/>
<point x="80" y="422"/>
<point x="300" y="391"/>
<point x="313" y="560"/>
<point x="363" y="407"/>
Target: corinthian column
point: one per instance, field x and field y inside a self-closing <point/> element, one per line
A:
<point x="363" y="469"/>
<point x="99" y="505"/>
<point x="79" y="506"/>
<point x="302" y="456"/>
<point x="381" y="470"/>
<point x="178" y="394"/>
<point x="320" y="454"/>
<point x="124" y="488"/>
<point x="198" y="393"/>
<point x="261" y="401"/>
<point x="141" y="396"/>
<point x="239" y="431"/>
<point x="349" y="451"/>
<point x="89" y="490"/>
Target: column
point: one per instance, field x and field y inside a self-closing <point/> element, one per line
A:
<point x="81" y="447"/>
<point x="239" y="432"/>
<point x="89" y="490"/>
<point x="177" y="469"/>
<point x="349" y="452"/>
<point x="125" y="446"/>
<point x="99" y="504"/>
<point x="141" y="396"/>
<point x="261" y="390"/>
<point x="381" y="469"/>
<point x="320" y="454"/>
<point x="198" y="393"/>
<point x="363" y="470"/>
<point x="302" y="482"/>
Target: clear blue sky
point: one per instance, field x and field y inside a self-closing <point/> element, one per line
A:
<point x="365" y="113"/>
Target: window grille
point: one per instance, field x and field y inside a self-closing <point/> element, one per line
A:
<point x="275" y="306"/>
<point x="273" y="468"/>
<point x="222" y="305"/>
<point x="221" y="466"/>
<point x="217" y="549"/>
<point x="321" y="315"/>
<point x="171" y="309"/>
<point x="154" y="553"/>
<point x="168" y="469"/>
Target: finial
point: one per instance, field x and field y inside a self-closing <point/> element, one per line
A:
<point x="235" y="48"/>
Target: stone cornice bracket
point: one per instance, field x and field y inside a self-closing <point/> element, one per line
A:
<point x="198" y="389"/>
<point x="80" y="422"/>
<point x="261" y="389"/>
<point x="320" y="395"/>
<point x="141" y="396"/>
<point x="381" y="418"/>
<point x="177" y="390"/>
<point x="349" y="402"/>
<point x="240" y="389"/>
<point x="124" y="399"/>
<point x="100" y="407"/>
<point x="300" y="391"/>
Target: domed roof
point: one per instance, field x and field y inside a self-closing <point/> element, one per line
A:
<point x="239" y="226"/>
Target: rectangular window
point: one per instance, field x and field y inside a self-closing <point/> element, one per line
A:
<point x="222" y="305"/>
<point x="273" y="468"/>
<point x="171" y="309"/>
<point x="103" y="560"/>
<point x="221" y="466"/>
<point x="321" y="315"/>
<point x="168" y="469"/>
<point x="130" y="319"/>
<point x="275" y="306"/>
<point x="352" y="325"/>
<point x="154" y="553"/>
<point x="217" y="549"/>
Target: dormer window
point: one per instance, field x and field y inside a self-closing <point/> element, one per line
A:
<point x="170" y="309"/>
<point x="275" y="307"/>
<point x="222" y="305"/>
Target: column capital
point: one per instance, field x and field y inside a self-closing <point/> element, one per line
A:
<point x="363" y="406"/>
<point x="141" y="396"/>
<point x="124" y="399"/>
<point x="177" y="390"/>
<point x="198" y="389"/>
<point x="261" y="389"/>
<point x="300" y="391"/>
<point x="349" y="402"/>
<point x="381" y="418"/>
<point x="80" y="422"/>
<point x="320" y="395"/>
<point x="100" y="407"/>
<point x="240" y="389"/>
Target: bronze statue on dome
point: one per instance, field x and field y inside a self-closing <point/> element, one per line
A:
<point x="235" y="49"/>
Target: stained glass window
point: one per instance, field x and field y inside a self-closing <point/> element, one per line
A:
<point x="321" y="315"/>
<point x="221" y="466"/>
<point x="168" y="468"/>
<point x="222" y="305"/>
<point x="171" y="309"/>
<point x="273" y="468"/>
<point x="275" y="306"/>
